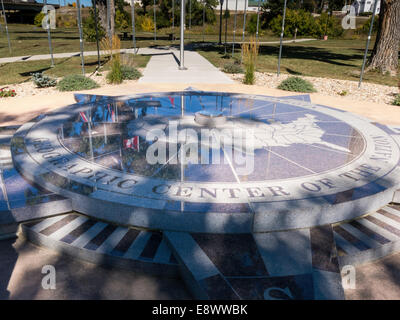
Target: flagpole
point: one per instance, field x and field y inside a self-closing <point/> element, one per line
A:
<point x="367" y="45"/>
<point x="6" y="26"/>
<point x="78" y="4"/>
<point x="133" y="26"/>
<point x="49" y="37"/>
<point x="234" y="28"/>
<point x="244" y="29"/>
<point x="281" y="39"/>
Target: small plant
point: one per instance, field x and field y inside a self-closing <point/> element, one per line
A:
<point x="5" y="93"/>
<point x="115" y="74"/>
<point x="343" y="93"/>
<point x="75" y="83"/>
<point x="43" y="81"/>
<point x="250" y="53"/>
<point x="147" y="24"/>
<point x="232" y="68"/>
<point x="38" y="19"/>
<point x="396" y="101"/>
<point x="89" y="27"/>
<point x="130" y="73"/>
<point x="296" y="84"/>
<point x="113" y="48"/>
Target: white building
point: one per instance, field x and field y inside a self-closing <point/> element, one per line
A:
<point x="251" y="5"/>
<point x="362" y="6"/>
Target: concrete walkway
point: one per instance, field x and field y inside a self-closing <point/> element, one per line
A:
<point x="164" y="68"/>
<point x="70" y="55"/>
<point x="94" y="53"/>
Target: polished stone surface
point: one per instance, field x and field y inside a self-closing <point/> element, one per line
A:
<point x="292" y="164"/>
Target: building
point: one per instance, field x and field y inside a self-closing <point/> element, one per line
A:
<point x="364" y="6"/>
<point x="251" y="4"/>
<point x="24" y="11"/>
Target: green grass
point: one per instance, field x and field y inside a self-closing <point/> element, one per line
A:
<point x="337" y="59"/>
<point x="18" y="72"/>
<point x="30" y="40"/>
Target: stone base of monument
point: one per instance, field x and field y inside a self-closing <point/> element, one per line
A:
<point x="102" y="243"/>
<point x="321" y="196"/>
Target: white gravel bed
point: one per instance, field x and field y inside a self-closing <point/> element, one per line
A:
<point x="28" y="88"/>
<point x="333" y="87"/>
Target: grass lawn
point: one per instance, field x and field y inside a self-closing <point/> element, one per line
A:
<point x="337" y="58"/>
<point x="18" y="72"/>
<point x="29" y="40"/>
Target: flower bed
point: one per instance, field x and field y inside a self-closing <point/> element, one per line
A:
<point x="5" y="93"/>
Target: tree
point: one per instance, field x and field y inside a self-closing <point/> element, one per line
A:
<point x="385" y="55"/>
<point x="102" y="9"/>
<point x="197" y="11"/>
<point x="145" y="3"/>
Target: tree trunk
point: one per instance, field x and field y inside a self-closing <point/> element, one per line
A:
<point x="102" y="7"/>
<point x="102" y="10"/>
<point x="385" y="56"/>
<point x="112" y="16"/>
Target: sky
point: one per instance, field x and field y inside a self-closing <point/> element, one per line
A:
<point x="86" y="3"/>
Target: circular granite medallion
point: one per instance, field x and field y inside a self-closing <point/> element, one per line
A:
<point x="210" y="162"/>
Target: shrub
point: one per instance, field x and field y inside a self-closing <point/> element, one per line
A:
<point x="75" y="83"/>
<point x="115" y="74"/>
<point x="251" y="26"/>
<point x="4" y="93"/>
<point x="364" y="29"/>
<point x="122" y="19"/>
<point x="43" y="81"/>
<point x="66" y="21"/>
<point x="306" y="24"/>
<point x="296" y="84"/>
<point x="38" y="19"/>
<point x="130" y="73"/>
<point x="89" y="28"/>
<point x="250" y="53"/>
<point x="396" y="100"/>
<point x="233" y="68"/>
<point x="147" y="24"/>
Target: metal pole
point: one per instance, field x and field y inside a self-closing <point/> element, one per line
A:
<point x="190" y="18"/>
<point x="182" y="53"/>
<point x="155" y="20"/>
<point x="109" y="21"/>
<point x="204" y="16"/>
<point x="367" y="46"/>
<point x="6" y="26"/>
<point x="258" y="19"/>
<point x="226" y="24"/>
<point x="221" y="2"/>
<point x="280" y="45"/>
<point x="97" y="34"/>
<point x="133" y="26"/>
<point x="173" y="19"/>
<point x="234" y="29"/>
<point x="49" y="38"/>
<point x="244" y="29"/>
<point x="78" y="5"/>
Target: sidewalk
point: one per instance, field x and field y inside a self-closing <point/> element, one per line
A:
<point x="163" y="67"/>
<point x="69" y="55"/>
<point x="94" y="53"/>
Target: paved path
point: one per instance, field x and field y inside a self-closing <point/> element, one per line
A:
<point x="163" y="68"/>
<point x="94" y="53"/>
<point x="69" y="55"/>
